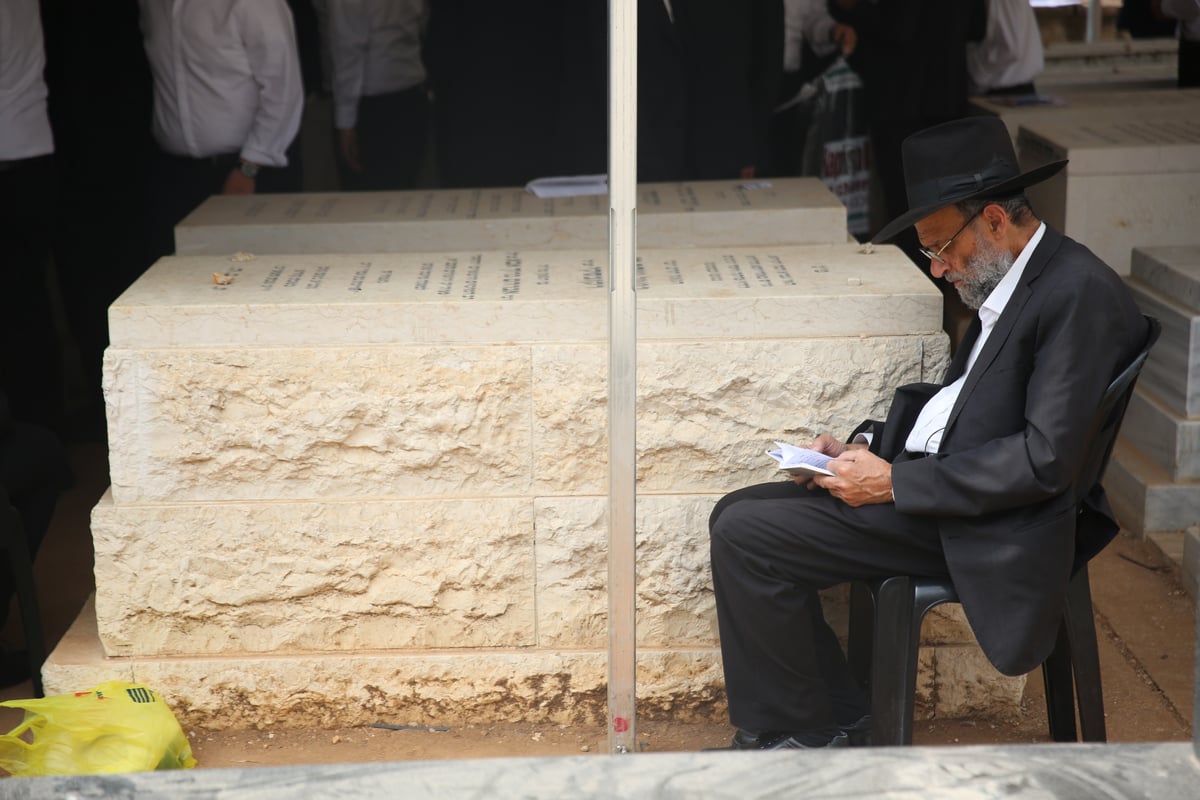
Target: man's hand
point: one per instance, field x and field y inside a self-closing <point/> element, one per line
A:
<point x="844" y="37"/>
<point x="348" y="144"/>
<point x="859" y="478"/>
<point x="831" y="447"/>
<point x="237" y="183"/>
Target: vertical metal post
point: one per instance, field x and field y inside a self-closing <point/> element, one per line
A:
<point x="622" y="370"/>
<point x="1095" y="20"/>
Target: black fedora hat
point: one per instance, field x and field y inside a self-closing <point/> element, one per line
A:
<point x="961" y="160"/>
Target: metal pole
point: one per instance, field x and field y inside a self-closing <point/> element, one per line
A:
<point x="1095" y="19"/>
<point x="622" y="370"/>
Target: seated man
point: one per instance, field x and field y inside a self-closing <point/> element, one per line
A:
<point x="972" y="484"/>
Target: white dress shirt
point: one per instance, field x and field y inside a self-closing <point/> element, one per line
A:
<point x="24" y="123"/>
<point x="375" y="46"/>
<point x="926" y="435"/>
<point x="1188" y="14"/>
<point x="226" y="77"/>
<point x="805" y="20"/>
<point x="1011" y="51"/>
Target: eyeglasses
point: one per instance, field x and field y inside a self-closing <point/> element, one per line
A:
<point x="932" y="256"/>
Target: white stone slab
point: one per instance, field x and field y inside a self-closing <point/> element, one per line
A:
<point x="1075" y="106"/>
<point x="699" y="213"/>
<point x="1172" y="371"/>
<point x="496" y="297"/>
<point x="1125" y="771"/>
<point x="1130" y="183"/>
<point x="1173" y="272"/>
<point x="1143" y="496"/>
<point x="273" y="423"/>
<point x="1170" y="441"/>
<point x="1103" y="65"/>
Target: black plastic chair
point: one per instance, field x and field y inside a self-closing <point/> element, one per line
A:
<point x="886" y="615"/>
<point x="15" y="543"/>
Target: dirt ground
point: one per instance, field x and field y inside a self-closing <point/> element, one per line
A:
<point x="1146" y="626"/>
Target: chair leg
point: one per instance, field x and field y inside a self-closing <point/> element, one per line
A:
<point x="1060" y="695"/>
<point x="1085" y="658"/>
<point x="894" y="674"/>
<point x="861" y="634"/>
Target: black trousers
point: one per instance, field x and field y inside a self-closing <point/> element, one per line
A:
<point x="176" y="185"/>
<point x="393" y="130"/>
<point x="1189" y="63"/>
<point x="33" y="471"/>
<point x="774" y="546"/>
<point x="30" y="365"/>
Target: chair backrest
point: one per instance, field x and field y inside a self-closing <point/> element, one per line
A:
<point x="1106" y="422"/>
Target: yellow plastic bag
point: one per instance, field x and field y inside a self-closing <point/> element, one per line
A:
<point x="115" y="727"/>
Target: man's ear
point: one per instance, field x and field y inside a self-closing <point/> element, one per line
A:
<point x="996" y="220"/>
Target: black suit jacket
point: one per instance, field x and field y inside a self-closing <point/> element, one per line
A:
<point x="999" y="485"/>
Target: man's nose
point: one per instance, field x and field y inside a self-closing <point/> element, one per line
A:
<point x="937" y="267"/>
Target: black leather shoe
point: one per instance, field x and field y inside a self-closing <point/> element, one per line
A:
<point x="793" y="742"/>
<point x="744" y="740"/>
<point x="858" y="733"/>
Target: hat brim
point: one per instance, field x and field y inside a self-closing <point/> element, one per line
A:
<point x="1010" y="186"/>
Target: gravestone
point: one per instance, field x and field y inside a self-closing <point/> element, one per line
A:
<point x="692" y="214"/>
<point x="348" y="488"/>
<point x="1130" y="183"/>
<point x="1075" y="106"/>
<point x="1154" y="477"/>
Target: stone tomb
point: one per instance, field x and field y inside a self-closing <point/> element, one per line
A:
<point x="1076" y="106"/>
<point x="1130" y="183"/>
<point x="694" y="214"/>
<point x="356" y="488"/>
<point x="1154" y="478"/>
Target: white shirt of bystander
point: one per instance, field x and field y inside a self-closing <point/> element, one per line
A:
<point x="1188" y="14"/>
<point x="375" y="47"/>
<point x="1011" y="51"/>
<point x="24" y="123"/>
<point x="226" y="77"/>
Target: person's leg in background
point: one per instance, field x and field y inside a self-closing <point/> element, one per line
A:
<point x="30" y="355"/>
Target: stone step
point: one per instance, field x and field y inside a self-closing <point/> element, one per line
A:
<point x="447" y="687"/>
<point x="1172" y="372"/>
<point x="1173" y="272"/>
<point x="1144" y="497"/>
<point x="1170" y="441"/>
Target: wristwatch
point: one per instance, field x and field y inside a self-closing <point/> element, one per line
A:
<point x="248" y="168"/>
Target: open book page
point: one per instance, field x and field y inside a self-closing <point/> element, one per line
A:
<point x="799" y="460"/>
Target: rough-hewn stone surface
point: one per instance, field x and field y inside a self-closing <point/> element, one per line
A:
<point x="217" y="425"/>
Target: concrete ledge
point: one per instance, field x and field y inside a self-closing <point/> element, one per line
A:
<point x="1029" y="772"/>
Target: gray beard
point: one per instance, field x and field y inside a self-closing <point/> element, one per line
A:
<point x="984" y="271"/>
